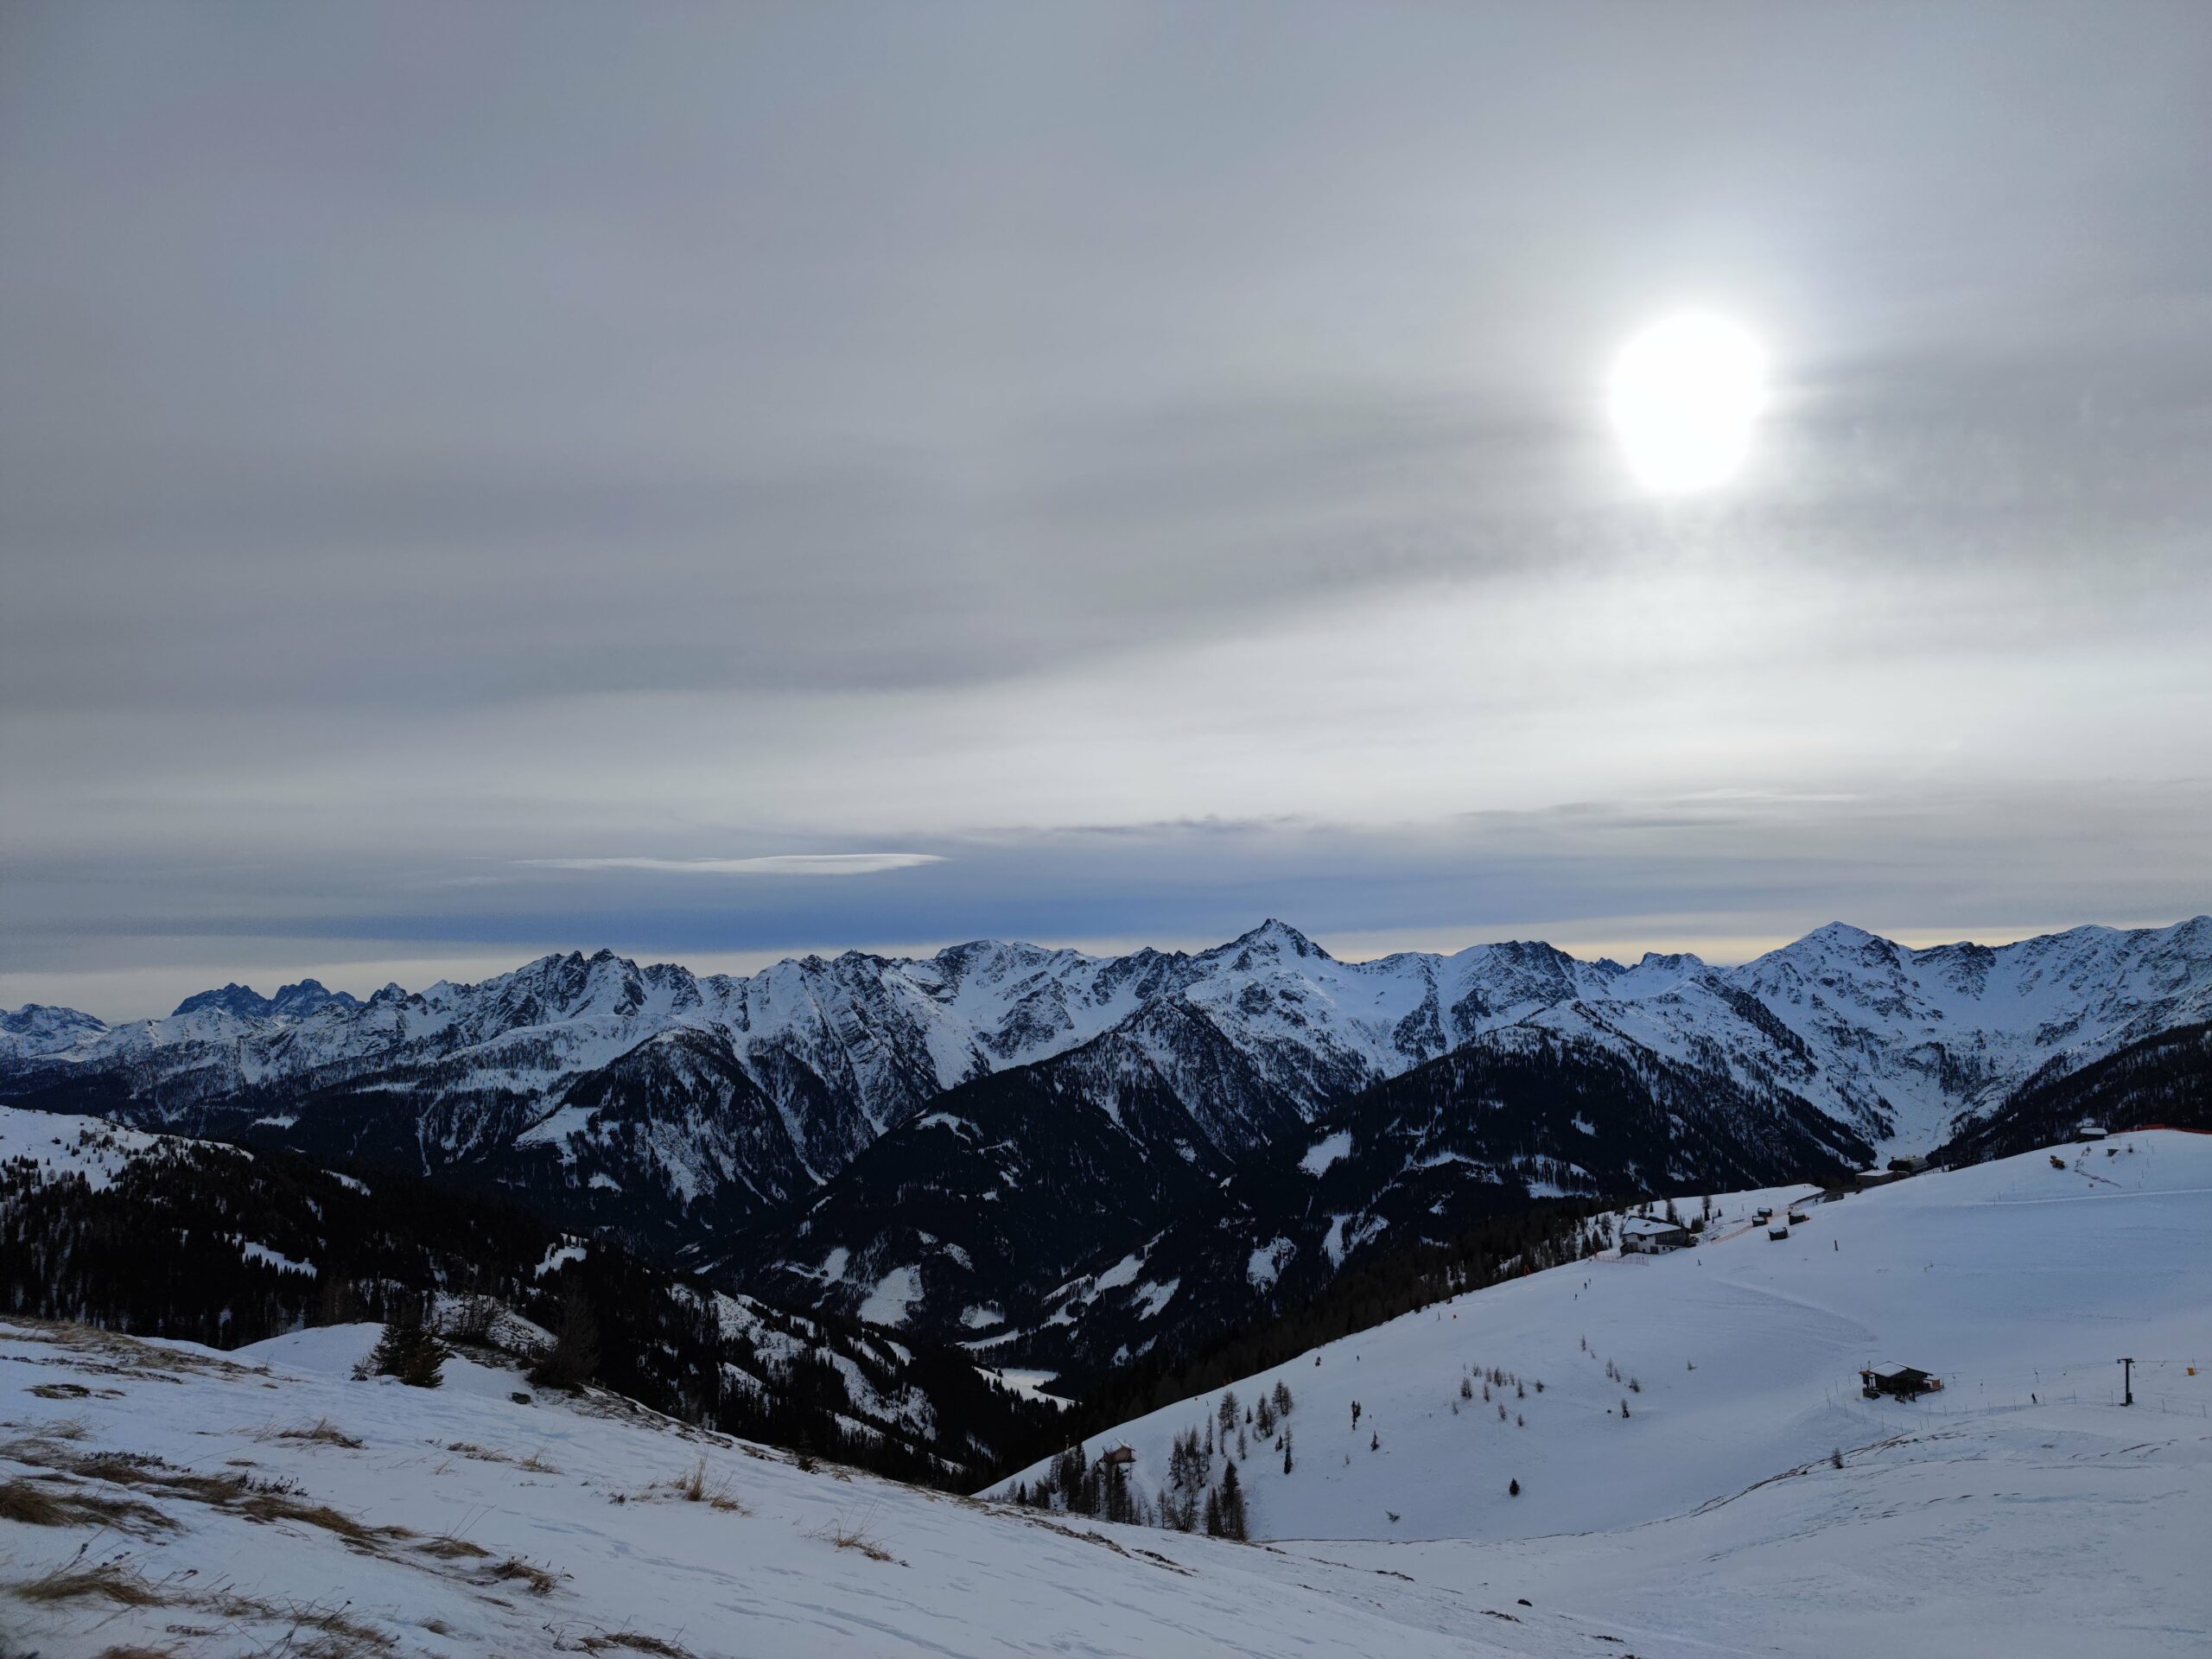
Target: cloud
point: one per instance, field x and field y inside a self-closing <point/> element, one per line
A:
<point x="817" y="864"/>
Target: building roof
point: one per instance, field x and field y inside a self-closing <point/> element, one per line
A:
<point x="1649" y="1226"/>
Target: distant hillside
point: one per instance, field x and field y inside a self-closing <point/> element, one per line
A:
<point x="2164" y="1079"/>
<point x="158" y="1235"/>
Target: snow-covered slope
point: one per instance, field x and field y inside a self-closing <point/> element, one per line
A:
<point x="173" y="1499"/>
<point x="2018" y="1282"/>
<point x="264" y="1502"/>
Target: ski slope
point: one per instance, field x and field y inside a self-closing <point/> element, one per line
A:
<point x="2008" y="1280"/>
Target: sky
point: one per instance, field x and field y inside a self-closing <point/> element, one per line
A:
<point x="729" y="481"/>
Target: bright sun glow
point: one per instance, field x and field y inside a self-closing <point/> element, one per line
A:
<point x="1684" y="395"/>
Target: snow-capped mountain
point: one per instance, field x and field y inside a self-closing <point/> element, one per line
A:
<point x="678" y="1105"/>
<point x="1153" y="1188"/>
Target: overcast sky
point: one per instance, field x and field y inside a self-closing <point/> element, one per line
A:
<point x="479" y="480"/>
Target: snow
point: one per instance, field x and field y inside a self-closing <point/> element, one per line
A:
<point x="894" y="1293"/>
<point x="268" y="1257"/>
<point x="1123" y="1272"/>
<point x="1150" y="1298"/>
<point x="464" y="1467"/>
<point x="1030" y="1384"/>
<point x="558" y="1256"/>
<point x="2020" y="1511"/>
<point x="89" y="1146"/>
<point x="1266" y="1261"/>
<point x="1327" y="1151"/>
<point x="2021" y="1500"/>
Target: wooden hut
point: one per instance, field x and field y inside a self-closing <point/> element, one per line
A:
<point x="1900" y="1382"/>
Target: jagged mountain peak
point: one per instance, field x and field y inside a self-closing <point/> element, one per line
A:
<point x="234" y="998"/>
<point x="1273" y="937"/>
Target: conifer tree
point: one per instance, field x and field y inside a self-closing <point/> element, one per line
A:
<point x="407" y="1350"/>
<point x="1232" y="1504"/>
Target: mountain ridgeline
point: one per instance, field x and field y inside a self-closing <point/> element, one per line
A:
<point x="1075" y="1162"/>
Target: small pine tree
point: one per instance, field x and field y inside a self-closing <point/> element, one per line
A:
<point x="1466" y="1387"/>
<point x="574" y="1357"/>
<point x="1285" y="1452"/>
<point x="1282" y="1399"/>
<point x="1623" y="1406"/>
<point x="1514" y="1489"/>
<point x="1243" y="1450"/>
<point x="407" y="1350"/>
<point x="1232" y="1504"/>
<point x="1213" y="1513"/>
<point x="1373" y="1441"/>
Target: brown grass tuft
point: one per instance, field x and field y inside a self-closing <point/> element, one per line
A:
<point x="538" y="1580"/>
<point x="50" y="1502"/>
<point x="114" y="1581"/>
<point x="447" y="1548"/>
<point x="323" y="1430"/>
<point x="634" y="1642"/>
<point x="282" y="1506"/>
<point x="854" y="1535"/>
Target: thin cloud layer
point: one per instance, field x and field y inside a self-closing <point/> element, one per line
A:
<point x="830" y="864"/>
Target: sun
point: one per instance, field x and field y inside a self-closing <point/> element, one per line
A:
<point x="1685" y="395"/>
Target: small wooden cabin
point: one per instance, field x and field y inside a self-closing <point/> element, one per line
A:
<point x="1780" y="1229"/>
<point x="1900" y="1382"/>
<point x="2088" y="1131"/>
<point x="1120" y="1455"/>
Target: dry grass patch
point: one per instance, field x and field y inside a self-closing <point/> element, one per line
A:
<point x="61" y="1391"/>
<point x="282" y="1506"/>
<point x="49" y="1502"/>
<point x="120" y="1583"/>
<point x="322" y="1431"/>
<point x="538" y="1580"/>
<point x="448" y="1547"/>
<point x="854" y="1536"/>
<point x="695" y="1486"/>
<point x="112" y="1581"/>
<point x="481" y="1453"/>
<point x="634" y="1642"/>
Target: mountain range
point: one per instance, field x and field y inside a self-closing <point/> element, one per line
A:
<point x="1065" y="1160"/>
